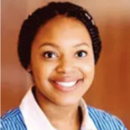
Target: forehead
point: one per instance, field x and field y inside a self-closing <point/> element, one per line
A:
<point x="62" y="29"/>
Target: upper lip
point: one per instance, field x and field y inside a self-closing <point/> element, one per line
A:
<point x="62" y="79"/>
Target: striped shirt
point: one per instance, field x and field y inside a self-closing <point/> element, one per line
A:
<point x="29" y="116"/>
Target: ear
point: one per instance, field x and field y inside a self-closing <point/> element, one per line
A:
<point x="29" y="69"/>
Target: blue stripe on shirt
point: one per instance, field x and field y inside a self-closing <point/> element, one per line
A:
<point x="13" y="120"/>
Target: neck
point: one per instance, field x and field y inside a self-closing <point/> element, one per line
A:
<point x="60" y="116"/>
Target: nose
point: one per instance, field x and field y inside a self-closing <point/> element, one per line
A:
<point x="65" y="66"/>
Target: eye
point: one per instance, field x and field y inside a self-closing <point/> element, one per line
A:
<point x="49" y="55"/>
<point x="81" y="53"/>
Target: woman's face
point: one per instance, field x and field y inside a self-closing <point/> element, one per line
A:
<point x="62" y="60"/>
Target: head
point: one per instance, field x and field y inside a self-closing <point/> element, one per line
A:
<point x="60" y="45"/>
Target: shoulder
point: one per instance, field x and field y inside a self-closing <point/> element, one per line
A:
<point x="104" y="120"/>
<point x="12" y="120"/>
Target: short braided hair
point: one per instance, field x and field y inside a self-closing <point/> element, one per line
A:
<point x="38" y="18"/>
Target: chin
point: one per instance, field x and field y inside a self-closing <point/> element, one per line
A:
<point x="66" y="101"/>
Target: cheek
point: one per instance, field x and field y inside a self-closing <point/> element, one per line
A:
<point x="43" y="70"/>
<point x="87" y="64"/>
<point x="89" y="70"/>
<point x="90" y="65"/>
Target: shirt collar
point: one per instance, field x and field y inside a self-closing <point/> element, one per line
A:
<point x="35" y="119"/>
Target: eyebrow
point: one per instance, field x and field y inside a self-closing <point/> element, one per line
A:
<point x="49" y="44"/>
<point x="56" y="46"/>
<point x="82" y="44"/>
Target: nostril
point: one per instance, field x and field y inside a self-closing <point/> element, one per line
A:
<point x="65" y="68"/>
<point x="68" y="70"/>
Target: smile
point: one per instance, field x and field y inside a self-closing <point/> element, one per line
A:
<point x="67" y="86"/>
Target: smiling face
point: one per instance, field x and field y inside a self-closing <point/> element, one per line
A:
<point x="62" y="60"/>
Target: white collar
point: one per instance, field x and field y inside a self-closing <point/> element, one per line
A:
<point x="35" y="119"/>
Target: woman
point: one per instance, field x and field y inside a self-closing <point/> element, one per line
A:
<point x="59" y="45"/>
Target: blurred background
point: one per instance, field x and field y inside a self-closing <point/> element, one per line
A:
<point x="111" y="88"/>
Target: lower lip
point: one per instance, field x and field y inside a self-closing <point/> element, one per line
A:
<point x="65" y="89"/>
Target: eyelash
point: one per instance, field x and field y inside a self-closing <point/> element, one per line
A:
<point x="52" y="53"/>
<point x="83" y="52"/>
<point x="48" y="52"/>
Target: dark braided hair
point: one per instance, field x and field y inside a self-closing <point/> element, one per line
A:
<point x="42" y="15"/>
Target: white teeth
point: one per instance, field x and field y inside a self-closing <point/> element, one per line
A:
<point x="67" y="84"/>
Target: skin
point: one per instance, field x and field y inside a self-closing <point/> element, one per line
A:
<point x="63" y="37"/>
